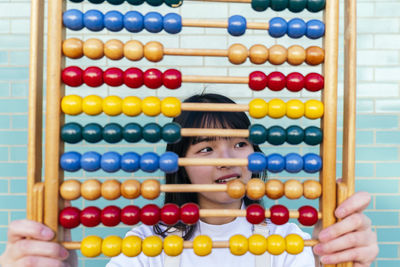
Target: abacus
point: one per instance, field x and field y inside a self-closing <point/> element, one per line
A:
<point x="45" y="197"/>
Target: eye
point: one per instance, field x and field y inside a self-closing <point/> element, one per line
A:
<point x="241" y="144"/>
<point x="205" y="150"/>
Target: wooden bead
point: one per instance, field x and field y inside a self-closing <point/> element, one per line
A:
<point x="293" y="189"/>
<point x="312" y="189"/>
<point x="296" y="55"/>
<point x="258" y="54"/>
<point x="70" y="189"/>
<point x="236" y="189"/>
<point x="154" y="51"/>
<point x="91" y="189"/>
<point x="274" y="189"/>
<point x="93" y="48"/>
<point x="130" y="189"/>
<point x="255" y="188"/>
<point x="277" y="55"/>
<point x="111" y="189"/>
<point x="133" y="50"/>
<point x="73" y="48"/>
<point x="237" y="53"/>
<point x="150" y="189"/>
<point x="315" y="55"/>
<point x="114" y="49"/>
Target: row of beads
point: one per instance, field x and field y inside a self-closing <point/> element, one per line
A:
<point x="171" y="214"/>
<point x="172" y="79"/>
<point x="169" y="162"/>
<point x="151" y="189"/>
<point x="171" y="107"/>
<point x="73" y="132"/>
<point x="154" y="51"/>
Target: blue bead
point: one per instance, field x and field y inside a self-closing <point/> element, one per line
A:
<point x="237" y="25"/>
<point x="90" y="161"/>
<point x="312" y="163"/>
<point x="114" y="21"/>
<point x="172" y="23"/>
<point x="153" y="22"/>
<point x="70" y="161"/>
<point x="276" y="163"/>
<point x="257" y="162"/>
<point x="296" y="28"/>
<point x="93" y="20"/>
<point x="293" y="162"/>
<point x="315" y="29"/>
<point x="130" y="162"/>
<point x="133" y="21"/>
<point x="110" y="161"/>
<point x="277" y="27"/>
<point x="169" y="162"/>
<point x="149" y="162"/>
<point x="73" y="19"/>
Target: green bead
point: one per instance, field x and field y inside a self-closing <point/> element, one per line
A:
<point x="279" y="5"/>
<point x="315" y="5"/>
<point x="173" y="3"/>
<point x="155" y="2"/>
<point x="276" y="135"/>
<point x="132" y="132"/>
<point x="257" y="134"/>
<point x="259" y="5"/>
<point x="151" y="132"/>
<point x="313" y="136"/>
<point x="297" y="5"/>
<point x="76" y="1"/>
<point x="171" y="132"/>
<point x="96" y="1"/>
<point x="92" y="133"/>
<point x="71" y="133"/>
<point x="115" y="2"/>
<point x="294" y="135"/>
<point x="135" y="2"/>
<point x="112" y="133"/>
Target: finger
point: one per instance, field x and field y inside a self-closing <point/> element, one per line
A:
<point x="361" y="255"/>
<point x="35" y="261"/>
<point x="356" y="203"/>
<point x="28" y="229"/>
<point x="25" y="248"/>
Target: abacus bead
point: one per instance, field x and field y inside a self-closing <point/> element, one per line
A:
<point x="172" y="23"/>
<point x="130" y="189"/>
<point x="312" y="163"/>
<point x="278" y="5"/>
<point x="294" y="244"/>
<point x="93" y="76"/>
<point x="152" y="132"/>
<point x="132" y="132"/>
<point x="111" y="189"/>
<point x="173" y="3"/>
<point x="258" y="108"/>
<point x="152" y="78"/>
<point x="312" y="135"/>
<point x="90" y="161"/>
<point x="96" y="1"/>
<point x="257" y="162"/>
<point x="315" y="29"/>
<point x="279" y="214"/>
<point x="130" y="215"/>
<point x="172" y="79"/>
<point x="114" y="49"/>
<point x="72" y="76"/>
<point x="170" y="214"/>
<point x="73" y="19"/>
<point x="133" y="50"/>
<point x="91" y="189"/>
<point x="255" y="188"/>
<point x="132" y="106"/>
<point x="296" y="28"/>
<point x="294" y="81"/>
<point x="293" y="163"/>
<point x="277" y="27"/>
<point x="296" y="55"/>
<point x="112" y="105"/>
<point x="92" y="132"/>
<point x="130" y="162"/>
<point x="153" y="22"/>
<point x="202" y="245"/>
<point x="91" y="246"/>
<point x="171" y="132"/>
<point x="293" y="189"/>
<point x="294" y="135"/>
<point x="276" y="108"/>
<point x="296" y="6"/>
<point x="173" y="245"/>
<point x="236" y="189"/>
<point x="259" y="5"/>
<point x="314" y="82"/>
<point x="150" y="214"/>
<point x="111" y="246"/>
<point x="111" y="216"/>
<point x="69" y="217"/>
<point x="90" y="216"/>
<point x="71" y="104"/>
<point x="93" y="48"/>
<point x="314" y="55"/>
<point x="308" y="215"/>
<point x="149" y="162"/>
<point x="258" y="54"/>
<point x="171" y="107"/>
<point x="115" y="2"/>
<point x="71" y="133"/>
<point x="70" y="161"/>
<point x="237" y="54"/>
<point x="190" y="213"/>
<point x="92" y="105"/>
<point x="150" y="189"/>
<point x="276" y="81"/>
<point x="277" y="55"/>
<point x="312" y="189"/>
<point x="135" y="2"/>
<point x="154" y="51"/>
<point x="169" y="162"/>
<point x="257" y="244"/>
<point x="314" y="109"/>
<point x="276" y="163"/>
<point x="236" y="25"/>
<point x="73" y="48"/>
<point x="133" y="21"/>
<point x="155" y="2"/>
<point x="114" y="21"/>
<point x="131" y="245"/>
<point x="255" y="214"/>
<point x="294" y="109"/>
<point x="151" y="106"/>
<point x="315" y="5"/>
<point x="274" y="189"/>
<point x="152" y="246"/>
<point x="93" y="20"/>
<point x="133" y="78"/>
<point x="70" y="189"/>
<point x="238" y="245"/>
<point x="257" y="134"/>
<point x="112" y="133"/>
<point x="110" y="161"/>
<point x="113" y="77"/>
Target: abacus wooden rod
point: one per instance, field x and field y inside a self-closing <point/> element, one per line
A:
<point x="212" y="162"/>
<point x="226" y="1"/>
<point x="208" y="107"/>
<point x="196" y="52"/>
<point x="221" y="24"/>
<point x="214" y="79"/>
<point x="294" y="214"/>
<point x="186" y="132"/>
<point x="172" y="188"/>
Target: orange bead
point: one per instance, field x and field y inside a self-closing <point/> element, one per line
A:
<point x="133" y="50"/>
<point x="258" y="54"/>
<point x="296" y="55"/>
<point x="91" y="189"/>
<point x="154" y="51"/>
<point x="236" y="189"/>
<point x="93" y="48"/>
<point x="111" y="189"/>
<point x="315" y="55"/>
<point x="150" y="189"/>
<point x="277" y="55"/>
<point x="130" y="189"/>
<point x="255" y="188"/>
<point x="73" y="48"/>
<point x="70" y="189"/>
<point x="293" y="189"/>
<point x="114" y="49"/>
<point x="237" y="53"/>
<point x="312" y="189"/>
<point x="274" y="189"/>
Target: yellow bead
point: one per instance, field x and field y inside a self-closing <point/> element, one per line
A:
<point x="92" y="105"/>
<point x="152" y="246"/>
<point x="294" y="244"/>
<point x="131" y="246"/>
<point x="314" y="109"/>
<point x="70" y="189"/>
<point x="294" y="109"/>
<point x="258" y="108"/>
<point x="111" y="246"/>
<point x="276" y="108"/>
<point x="112" y="105"/>
<point x="257" y="244"/>
<point x="275" y="244"/>
<point x="71" y="104"/>
<point x="171" y="107"/>
<point x="132" y="106"/>
<point x="173" y="245"/>
<point x="91" y="246"/>
<point x="133" y="50"/>
<point x="237" y="53"/>
<point x="238" y="245"/>
<point x="202" y="245"/>
<point x="151" y="106"/>
<point x="93" y="48"/>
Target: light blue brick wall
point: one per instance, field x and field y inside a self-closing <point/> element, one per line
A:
<point x="378" y="108"/>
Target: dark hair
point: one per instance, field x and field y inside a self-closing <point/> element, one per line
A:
<point x="200" y="119"/>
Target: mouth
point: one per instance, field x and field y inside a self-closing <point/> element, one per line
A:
<point x="227" y="178"/>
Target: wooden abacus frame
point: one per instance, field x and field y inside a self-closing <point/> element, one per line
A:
<point x="43" y="202"/>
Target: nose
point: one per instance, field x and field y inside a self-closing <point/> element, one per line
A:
<point x="225" y="153"/>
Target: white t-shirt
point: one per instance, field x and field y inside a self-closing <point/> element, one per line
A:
<point x="220" y="257"/>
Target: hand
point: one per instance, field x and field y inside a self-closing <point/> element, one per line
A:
<point x="350" y="239"/>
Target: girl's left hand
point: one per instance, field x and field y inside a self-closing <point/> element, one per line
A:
<point x="350" y="239"/>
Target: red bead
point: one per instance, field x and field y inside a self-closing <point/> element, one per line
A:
<point x="153" y="78"/>
<point x="294" y="81"/>
<point x="72" y="76"/>
<point x="133" y="77"/>
<point x="255" y="214"/>
<point x="69" y="217"/>
<point x="276" y="81"/>
<point x="190" y="213"/>
<point x="130" y="215"/>
<point x="114" y="77"/>
<point x="314" y="82"/>
<point x="93" y="76"/>
<point x="150" y="214"/>
<point x="111" y="216"/>
<point x="172" y="79"/>
<point x="257" y="81"/>
<point x="91" y="216"/>
<point x="170" y="214"/>
<point x="308" y="215"/>
<point x="279" y="214"/>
